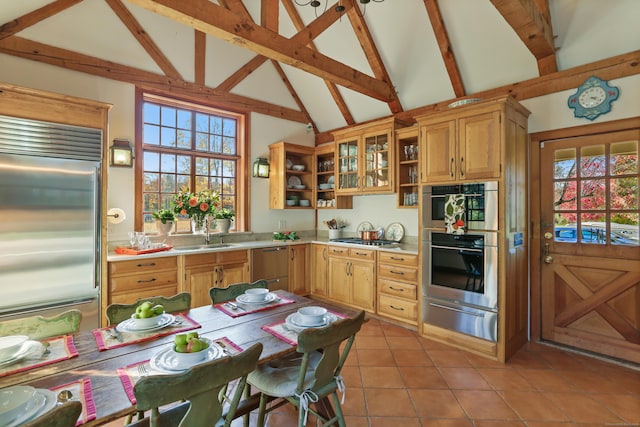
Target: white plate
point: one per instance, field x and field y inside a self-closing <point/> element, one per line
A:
<point x="166" y="361"/>
<point x="129" y="325"/>
<point x="43" y="401"/>
<point x="395" y="232"/>
<point x="289" y="164"/>
<point x="28" y="348"/>
<point x="291" y="323"/>
<point x="294" y="180"/>
<point x="464" y="102"/>
<point x="330" y="180"/>
<point x="364" y="226"/>
<point x="269" y="298"/>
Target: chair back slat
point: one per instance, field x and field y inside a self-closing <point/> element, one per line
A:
<point x="116" y="313"/>
<point x="65" y="415"/>
<point x="40" y="327"/>
<point x="231" y="292"/>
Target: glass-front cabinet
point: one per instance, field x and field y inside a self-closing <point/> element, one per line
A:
<point x="364" y="158"/>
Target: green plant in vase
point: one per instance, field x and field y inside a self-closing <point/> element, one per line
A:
<point x="164" y="221"/>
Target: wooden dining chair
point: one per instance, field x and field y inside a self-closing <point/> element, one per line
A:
<point x="116" y="313"/>
<point x="40" y="327"/>
<point x="65" y="415"/>
<point x="199" y="387"/>
<point x="312" y="377"/>
<point x="232" y="291"/>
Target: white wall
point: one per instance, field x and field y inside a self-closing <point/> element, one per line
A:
<point x="548" y="112"/>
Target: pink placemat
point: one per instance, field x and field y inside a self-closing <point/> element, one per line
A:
<point x="130" y="374"/>
<point x="108" y="338"/>
<point x="244" y="308"/>
<point x="287" y="334"/>
<point x="57" y="349"/>
<point x="81" y="390"/>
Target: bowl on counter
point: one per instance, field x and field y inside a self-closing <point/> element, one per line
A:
<point x="311" y="315"/>
<point x="145" y="322"/>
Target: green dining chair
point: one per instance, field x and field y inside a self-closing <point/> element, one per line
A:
<point x="199" y="388"/>
<point x="310" y="375"/>
<point x="40" y="327"/>
<point x="232" y="291"/>
<point x="65" y="415"/>
<point x="116" y="313"/>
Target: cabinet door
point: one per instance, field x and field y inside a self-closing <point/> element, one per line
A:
<point x="198" y="281"/>
<point x="339" y="283"/>
<point x="479" y="146"/>
<point x="348" y="174"/>
<point x="319" y="270"/>
<point x="376" y="164"/>
<point x="228" y="274"/>
<point x="438" y="152"/>
<point x="298" y="269"/>
<point x="363" y="293"/>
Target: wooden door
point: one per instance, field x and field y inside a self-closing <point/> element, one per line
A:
<point x="347" y="166"/>
<point x="590" y="269"/>
<point x="319" y="270"/>
<point x="339" y="284"/>
<point x="298" y="269"/>
<point x="362" y="276"/>
<point x="438" y="152"/>
<point x="479" y="146"/>
<point x="228" y="274"/>
<point x="198" y="281"/>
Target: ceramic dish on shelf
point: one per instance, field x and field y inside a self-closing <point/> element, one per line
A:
<point x="294" y="180"/>
<point x="364" y="226"/>
<point x="300" y="187"/>
<point x="464" y="102"/>
<point x="298" y="168"/>
<point x="395" y="232"/>
<point x="129" y="325"/>
<point x="289" y="164"/>
<point x="330" y="180"/>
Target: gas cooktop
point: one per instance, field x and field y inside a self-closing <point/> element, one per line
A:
<point x="359" y="241"/>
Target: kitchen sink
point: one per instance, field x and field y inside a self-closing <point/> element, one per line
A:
<point x="197" y="247"/>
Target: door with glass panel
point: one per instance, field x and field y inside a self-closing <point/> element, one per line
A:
<point x="590" y="269"/>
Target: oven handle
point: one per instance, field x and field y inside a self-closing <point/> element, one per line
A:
<point x="457" y="248"/>
<point x="457" y="309"/>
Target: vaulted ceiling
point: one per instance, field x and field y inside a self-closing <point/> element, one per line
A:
<point x="331" y="69"/>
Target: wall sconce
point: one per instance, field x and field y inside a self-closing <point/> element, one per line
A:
<point x="261" y="168"/>
<point x="121" y="153"/>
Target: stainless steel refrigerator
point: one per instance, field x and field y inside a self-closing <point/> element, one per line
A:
<point x="49" y="219"/>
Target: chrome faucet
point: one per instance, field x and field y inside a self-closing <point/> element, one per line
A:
<point x="207" y="238"/>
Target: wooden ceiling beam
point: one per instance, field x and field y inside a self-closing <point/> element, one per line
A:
<point x="215" y="20"/>
<point x="143" y="38"/>
<point x="332" y="87"/>
<point x="25" y="21"/>
<point x="199" y="57"/>
<point x="269" y="14"/>
<point x="533" y="26"/>
<point x="440" y="31"/>
<point x="373" y="56"/>
<point x="35" y="51"/>
<point x="625" y="65"/>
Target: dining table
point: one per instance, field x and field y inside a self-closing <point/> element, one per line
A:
<point x="215" y="322"/>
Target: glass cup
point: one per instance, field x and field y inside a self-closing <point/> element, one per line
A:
<point x="132" y="238"/>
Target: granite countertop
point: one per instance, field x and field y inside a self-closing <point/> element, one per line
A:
<point x="234" y="246"/>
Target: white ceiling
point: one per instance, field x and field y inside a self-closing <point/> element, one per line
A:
<point x="488" y="52"/>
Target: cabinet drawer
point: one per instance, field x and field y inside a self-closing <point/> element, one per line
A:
<point x="396" y="272"/>
<point x="396" y="307"/>
<point x="339" y="250"/>
<point x="398" y="289"/>
<point x="215" y="258"/>
<point x="142" y="265"/>
<point x="233" y="257"/>
<point x="362" y="253"/>
<point x="398" y="258"/>
<point x="147" y="280"/>
<point x="131" y="297"/>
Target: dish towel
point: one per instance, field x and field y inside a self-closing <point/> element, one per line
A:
<point x="454" y="213"/>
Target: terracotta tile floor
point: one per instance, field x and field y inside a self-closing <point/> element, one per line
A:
<point x="396" y="378"/>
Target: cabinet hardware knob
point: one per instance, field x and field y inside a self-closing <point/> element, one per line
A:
<point x="397" y="308"/>
<point x="397" y="272"/>
<point x="397" y="259"/>
<point x="396" y="289"/>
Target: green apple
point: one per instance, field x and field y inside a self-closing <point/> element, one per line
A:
<point x="192" y="335"/>
<point x="158" y="310"/>
<point x="182" y="348"/>
<point x="146" y="313"/>
<point x="181" y="339"/>
<point x="194" y="345"/>
<point x="136" y="315"/>
<point x="205" y="344"/>
<point x="147" y="305"/>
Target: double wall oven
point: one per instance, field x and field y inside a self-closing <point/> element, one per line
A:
<point x="460" y="272"/>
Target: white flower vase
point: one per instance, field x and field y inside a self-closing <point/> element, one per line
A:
<point x="223" y="225"/>
<point x="164" y="229"/>
<point x="198" y="225"/>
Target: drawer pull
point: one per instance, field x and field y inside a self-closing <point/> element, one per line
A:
<point x="397" y="272"/>
<point x="149" y="264"/>
<point x="362" y="253"/>
<point x="396" y="289"/>
<point x="396" y="308"/>
<point x="147" y="281"/>
<point x="397" y="259"/>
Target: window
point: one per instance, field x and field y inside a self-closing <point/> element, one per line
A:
<point x="187" y="146"/>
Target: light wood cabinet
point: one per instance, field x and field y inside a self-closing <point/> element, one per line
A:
<point x="325" y="180"/>
<point x="365" y="158"/>
<point x="213" y="269"/>
<point x="288" y="185"/>
<point x="407" y="167"/>
<point x="134" y="279"/>
<point x="352" y="276"/>
<point x="462" y="144"/>
<point x="398" y="286"/>
<point x="319" y="265"/>
<point x="299" y="269"/>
